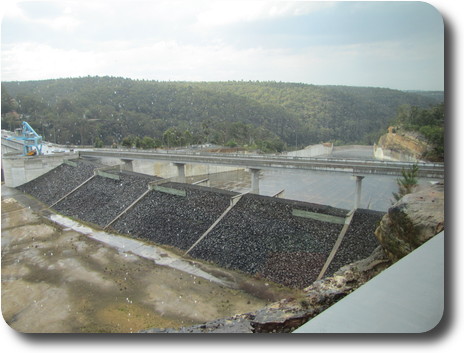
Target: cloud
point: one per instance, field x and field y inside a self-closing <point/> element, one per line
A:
<point x="33" y="61"/>
<point x="220" y="13"/>
<point x="59" y="18"/>
<point x="61" y="23"/>
<point x="297" y="41"/>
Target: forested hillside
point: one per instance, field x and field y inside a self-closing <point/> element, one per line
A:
<point x="271" y="116"/>
<point x="429" y="124"/>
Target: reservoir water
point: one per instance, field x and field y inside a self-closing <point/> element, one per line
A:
<point x="327" y="188"/>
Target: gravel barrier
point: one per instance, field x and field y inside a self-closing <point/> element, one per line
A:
<point x="260" y="234"/>
<point x="175" y="220"/>
<point x="102" y="199"/>
<point x="53" y="185"/>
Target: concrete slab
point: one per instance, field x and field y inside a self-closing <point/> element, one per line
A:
<point x="137" y="247"/>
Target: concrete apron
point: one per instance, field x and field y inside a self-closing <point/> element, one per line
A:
<point x="59" y="276"/>
<point x="127" y="246"/>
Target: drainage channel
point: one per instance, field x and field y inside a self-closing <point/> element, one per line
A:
<point x="135" y="247"/>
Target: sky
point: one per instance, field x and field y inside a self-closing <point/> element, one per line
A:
<point x="398" y="45"/>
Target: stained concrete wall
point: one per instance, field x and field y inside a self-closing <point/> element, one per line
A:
<point x="167" y="169"/>
<point x="19" y="170"/>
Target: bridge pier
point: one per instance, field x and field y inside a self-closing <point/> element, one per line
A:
<point x="128" y="164"/>
<point x="180" y="171"/>
<point x="255" y="180"/>
<point x="357" y="200"/>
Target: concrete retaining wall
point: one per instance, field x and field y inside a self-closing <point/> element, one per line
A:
<point x="19" y="170"/>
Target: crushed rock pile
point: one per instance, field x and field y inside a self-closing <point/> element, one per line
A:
<point x="172" y="219"/>
<point x="101" y="199"/>
<point x="262" y="236"/>
<point x="358" y="242"/>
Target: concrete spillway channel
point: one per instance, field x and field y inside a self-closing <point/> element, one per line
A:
<point x="282" y="240"/>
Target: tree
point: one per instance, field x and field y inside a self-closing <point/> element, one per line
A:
<point x="407" y="183"/>
<point x="7" y="105"/>
<point x="128" y="141"/>
<point x="98" y="142"/>
<point x="172" y="137"/>
<point x="148" y="143"/>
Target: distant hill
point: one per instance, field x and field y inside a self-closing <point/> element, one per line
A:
<point x="269" y="115"/>
<point x="437" y="95"/>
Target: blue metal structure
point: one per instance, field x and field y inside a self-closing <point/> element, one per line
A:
<point x="32" y="142"/>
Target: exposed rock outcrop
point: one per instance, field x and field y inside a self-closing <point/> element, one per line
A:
<point x="411" y="221"/>
<point x="401" y="145"/>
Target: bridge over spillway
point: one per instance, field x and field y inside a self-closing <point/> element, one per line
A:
<point x="258" y="162"/>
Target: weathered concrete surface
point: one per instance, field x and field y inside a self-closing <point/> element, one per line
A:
<point x="22" y="169"/>
<point x="55" y="279"/>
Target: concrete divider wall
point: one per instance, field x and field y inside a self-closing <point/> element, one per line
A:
<point x="175" y="220"/>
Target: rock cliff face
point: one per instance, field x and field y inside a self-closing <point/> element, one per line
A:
<point x="401" y="145"/>
<point x="413" y="220"/>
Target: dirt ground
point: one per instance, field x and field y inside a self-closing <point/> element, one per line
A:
<point x="56" y="279"/>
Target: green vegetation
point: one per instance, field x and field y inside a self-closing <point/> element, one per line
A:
<point x="430" y="123"/>
<point x="269" y="116"/>
<point x="407" y="183"/>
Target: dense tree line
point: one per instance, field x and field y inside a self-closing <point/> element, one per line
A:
<point x="271" y="116"/>
<point x="429" y="122"/>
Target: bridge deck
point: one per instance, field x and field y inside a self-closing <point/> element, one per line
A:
<point x="354" y="166"/>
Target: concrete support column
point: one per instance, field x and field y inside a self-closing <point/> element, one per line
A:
<point x="255" y="180"/>
<point x="180" y="171"/>
<point x="357" y="200"/>
<point x="128" y="165"/>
